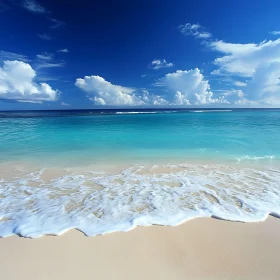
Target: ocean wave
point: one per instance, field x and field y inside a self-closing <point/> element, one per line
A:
<point x="244" y="158"/>
<point x="150" y="112"/>
<point x="99" y="202"/>
<point x="209" y="111"/>
<point x="126" y="113"/>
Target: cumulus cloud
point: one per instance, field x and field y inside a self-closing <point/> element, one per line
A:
<point x="158" y="64"/>
<point x="102" y="92"/>
<point x="187" y="88"/>
<point x="152" y="99"/>
<point x="33" y="6"/>
<point x="243" y="59"/>
<point x="259" y="63"/>
<point x="264" y="87"/>
<point x="195" y="30"/>
<point x="180" y="88"/>
<point x="234" y="97"/>
<point x="17" y="84"/>
<point x="252" y="69"/>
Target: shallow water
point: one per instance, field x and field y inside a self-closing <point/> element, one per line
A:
<point x="97" y="172"/>
<point x="86" y="137"/>
<point x="96" y="202"/>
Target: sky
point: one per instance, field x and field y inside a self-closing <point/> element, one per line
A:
<point x="82" y="54"/>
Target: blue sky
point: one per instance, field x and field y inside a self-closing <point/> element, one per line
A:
<point x="86" y="54"/>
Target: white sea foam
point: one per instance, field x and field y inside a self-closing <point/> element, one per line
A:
<point x="209" y="111"/>
<point x="127" y="113"/>
<point x="244" y="158"/>
<point x="99" y="202"/>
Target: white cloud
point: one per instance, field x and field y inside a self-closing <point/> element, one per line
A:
<point x="49" y="65"/>
<point x="152" y="99"/>
<point x="12" y="56"/>
<point x="260" y="63"/>
<point x="264" y="87"/>
<point x="234" y="97"/>
<point x="105" y="93"/>
<point x="243" y="59"/>
<point x="187" y="88"/>
<point x="33" y="6"/>
<point x="17" y="83"/>
<point x="275" y="32"/>
<point x="240" y="84"/>
<point x="65" y="104"/>
<point x="180" y="88"/>
<point x="102" y="92"/>
<point x="63" y="51"/>
<point x="45" y="56"/>
<point x="195" y="30"/>
<point x="45" y="36"/>
<point x="45" y="60"/>
<point x="158" y="64"/>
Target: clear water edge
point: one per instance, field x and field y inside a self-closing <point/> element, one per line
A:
<point x="200" y="173"/>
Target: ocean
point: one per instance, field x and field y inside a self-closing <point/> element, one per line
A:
<point x="102" y="171"/>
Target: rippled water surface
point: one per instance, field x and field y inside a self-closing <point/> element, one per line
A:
<point x="146" y="135"/>
<point x="105" y="171"/>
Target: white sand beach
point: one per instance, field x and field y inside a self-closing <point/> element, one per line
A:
<point x="202" y="248"/>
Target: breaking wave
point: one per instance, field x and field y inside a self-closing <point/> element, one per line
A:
<point x="127" y="113"/>
<point x="101" y="202"/>
<point x="209" y="111"/>
<point x="247" y="158"/>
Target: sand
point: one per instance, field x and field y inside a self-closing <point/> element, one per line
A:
<point x="203" y="248"/>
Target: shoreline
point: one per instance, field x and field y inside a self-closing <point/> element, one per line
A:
<point x="204" y="248"/>
<point x="117" y="165"/>
<point x="52" y="201"/>
<point x="199" y="248"/>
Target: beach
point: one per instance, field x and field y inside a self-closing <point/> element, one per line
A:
<point x="203" y="248"/>
<point x="139" y="140"/>
<point x="96" y="200"/>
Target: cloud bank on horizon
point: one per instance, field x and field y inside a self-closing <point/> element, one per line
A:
<point x="248" y="74"/>
<point x="259" y="64"/>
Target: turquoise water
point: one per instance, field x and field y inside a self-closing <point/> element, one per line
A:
<point x="182" y="165"/>
<point x="188" y="135"/>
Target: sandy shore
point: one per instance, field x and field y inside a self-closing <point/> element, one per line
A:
<point x="199" y="249"/>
